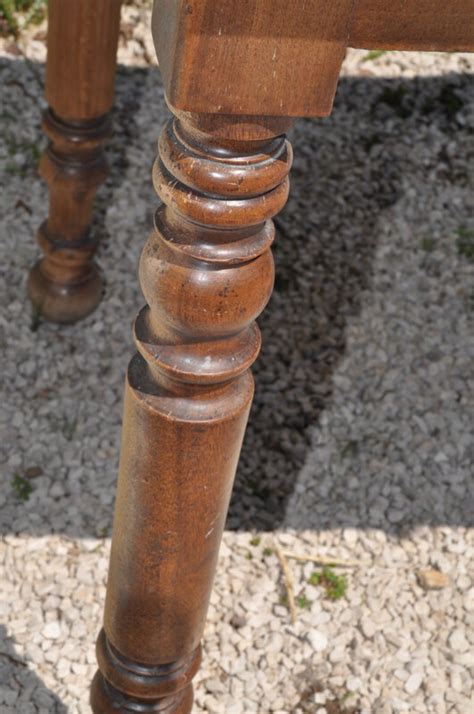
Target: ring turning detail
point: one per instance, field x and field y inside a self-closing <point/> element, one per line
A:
<point x="206" y="273"/>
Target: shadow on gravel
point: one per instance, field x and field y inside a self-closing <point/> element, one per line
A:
<point x="347" y="171"/>
<point x="22" y="690"/>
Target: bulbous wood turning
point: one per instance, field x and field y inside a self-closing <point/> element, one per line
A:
<point x="82" y="44"/>
<point x="206" y="273"/>
<point x="65" y="285"/>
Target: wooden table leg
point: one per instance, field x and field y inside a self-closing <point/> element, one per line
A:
<point x="65" y="285"/>
<point x="206" y="273"/>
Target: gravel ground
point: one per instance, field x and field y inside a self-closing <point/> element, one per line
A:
<point x="368" y="457"/>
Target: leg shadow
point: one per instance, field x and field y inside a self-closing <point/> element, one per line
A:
<point x="22" y="691"/>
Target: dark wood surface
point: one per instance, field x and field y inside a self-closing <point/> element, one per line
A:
<point x="283" y="57"/>
<point x="446" y="26"/>
<point x="235" y="74"/>
<point x="237" y="56"/>
<point x="82" y="49"/>
<point x="82" y="42"/>
<point x="206" y="274"/>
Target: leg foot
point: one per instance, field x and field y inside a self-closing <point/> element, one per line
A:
<point x="64" y="303"/>
<point x="66" y="285"/>
<point x="123" y="685"/>
<point x="105" y="699"/>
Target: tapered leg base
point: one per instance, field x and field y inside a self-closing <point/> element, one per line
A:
<point x="105" y="699"/>
<point x="64" y="303"/>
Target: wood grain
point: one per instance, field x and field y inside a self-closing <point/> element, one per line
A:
<point x="66" y="285"/>
<point x="251" y="56"/>
<point x="82" y="49"/>
<point x="234" y="73"/>
<point x="414" y="25"/>
<point x="206" y="274"/>
<point x="283" y="57"/>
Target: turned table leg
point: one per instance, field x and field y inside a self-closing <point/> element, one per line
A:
<point x="65" y="285"/>
<point x="206" y="273"/>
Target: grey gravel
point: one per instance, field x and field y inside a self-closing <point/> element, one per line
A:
<point x="360" y="445"/>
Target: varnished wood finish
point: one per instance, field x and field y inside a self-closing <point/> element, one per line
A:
<point x="65" y="285"/>
<point x="209" y="53"/>
<point x="82" y="40"/>
<point x="236" y="56"/>
<point x="233" y="72"/>
<point x="82" y="48"/>
<point x="206" y="273"/>
<point x="283" y="57"/>
<point x="436" y="25"/>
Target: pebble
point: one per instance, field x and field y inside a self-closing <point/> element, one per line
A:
<point x="368" y="628"/>
<point x="353" y="684"/>
<point x="413" y="683"/>
<point x="52" y="631"/>
<point x="432" y="579"/>
<point x="457" y="641"/>
<point x="318" y="640"/>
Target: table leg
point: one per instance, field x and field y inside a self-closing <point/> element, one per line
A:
<point x="206" y="274"/>
<point x="65" y="285"/>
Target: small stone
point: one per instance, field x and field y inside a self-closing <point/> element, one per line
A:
<point x="33" y="472"/>
<point x="52" y="631"/>
<point x="413" y="683"/>
<point x="214" y="686"/>
<point x="213" y="705"/>
<point x="318" y="640"/>
<point x="457" y="641"/>
<point x="350" y="535"/>
<point x="275" y="643"/>
<point x="432" y="579"/>
<point x="337" y="654"/>
<point x="353" y="684"/>
<point x="456" y="681"/>
<point x="320" y="697"/>
<point x="368" y="628"/>
<point x="238" y="621"/>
